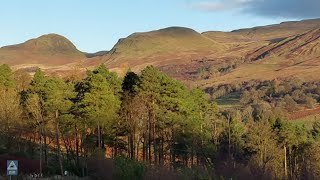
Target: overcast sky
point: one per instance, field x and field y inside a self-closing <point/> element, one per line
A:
<point x="94" y="25"/>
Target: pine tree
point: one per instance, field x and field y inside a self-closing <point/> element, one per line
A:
<point x="265" y="155"/>
<point x="58" y="95"/>
<point x="6" y="77"/>
<point x="34" y="104"/>
<point x="111" y="78"/>
<point x="130" y="113"/>
<point x="100" y="104"/>
<point x="149" y="90"/>
<point x="10" y="109"/>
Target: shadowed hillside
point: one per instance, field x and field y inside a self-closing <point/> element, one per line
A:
<point x="304" y="45"/>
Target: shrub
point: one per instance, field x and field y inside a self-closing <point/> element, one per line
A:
<point x="126" y="168"/>
<point x="289" y="104"/>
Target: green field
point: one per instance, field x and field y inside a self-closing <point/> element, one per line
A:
<point x="307" y="121"/>
<point x="229" y="101"/>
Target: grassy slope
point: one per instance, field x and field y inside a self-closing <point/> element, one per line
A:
<point x="231" y="100"/>
<point x="306" y="121"/>
<point x="171" y="44"/>
<point x="226" y="37"/>
<point x="51" y="49"/>
<point x="237" y="45"/>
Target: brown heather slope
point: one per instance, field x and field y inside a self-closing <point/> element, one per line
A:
<point x="301" y="46"/>
<point x="246" y="41"/>
<point x="278" y="31"/>
<point x="297" y="56"/>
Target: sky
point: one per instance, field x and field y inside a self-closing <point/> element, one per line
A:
<point x="95" y="25"/>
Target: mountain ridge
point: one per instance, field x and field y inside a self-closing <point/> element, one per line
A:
<point x="49" y="49"/>
<point x="47" y="42"/>
<point x="161" y="45"/>
<point x="184" y="53"/>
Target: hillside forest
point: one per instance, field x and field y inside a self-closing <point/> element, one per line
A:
<point x="148" y="125"/>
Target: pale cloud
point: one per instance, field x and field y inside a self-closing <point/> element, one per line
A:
<point x="268" y="8"/>
<point x="210" y="6"/>
<point x="219" y="5"/>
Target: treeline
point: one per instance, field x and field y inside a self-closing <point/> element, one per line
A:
<point x="213" y="71"/>
<point x="151" y="119"/>
<point x="286" y="95"/>
<point x="289" y="95"/>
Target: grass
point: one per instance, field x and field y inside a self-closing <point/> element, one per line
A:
<point x="244" y="73"/>
<point x="306" y="121"/>
<point x="49" y="49"/>
<point x="229" y="101"/>
<point x="170" y="40"/>
<point x="226" y="37"/>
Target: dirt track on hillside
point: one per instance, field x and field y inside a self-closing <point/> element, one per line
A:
<point x="304" y="113"/>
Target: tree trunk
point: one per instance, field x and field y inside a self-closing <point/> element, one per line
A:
<point x="285" y="162"/>
<point x="192" y="154"/>
<point x="290" y="162"/>
<point x="137" y="148"/>
<point x="77" y="144"/>
<point x="161" y="154"/>
<point x="99" y="136"/>
<point x="58" y="143"/>
<point x="41" y="149"/>
<point x="149" y="140"/>
<point x="154" y="141"/>
<point x="172" y="150"/>
<point x="215" y="133"/>
<point x="295" y="165"/>
<point x="144" y="155"/>
<point x="116" y="146"/>
<point x="229" y="137"/>
<point x="129" y="146"/>
<point x="132" y="144"/>
<point x="45" y="146"/>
